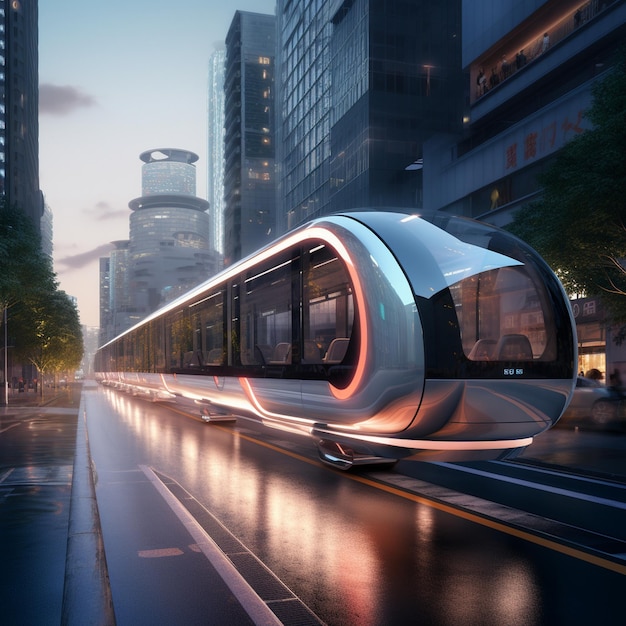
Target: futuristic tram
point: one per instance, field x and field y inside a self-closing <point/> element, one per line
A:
<point x="382" y="335"/>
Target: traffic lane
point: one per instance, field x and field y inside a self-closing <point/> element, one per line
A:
<point x="36" y="459"/>
<point x="356" y="553"/>
<point x="581" y="451"/>
<point x="156" y="571"/>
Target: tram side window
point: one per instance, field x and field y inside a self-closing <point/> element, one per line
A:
<point x="207" y="320"/>
<point x="157" y="339"/>
<point x="328" y="311"/>
<point x="128" y="354"/>
<point x="120" y="355"/>
<point x="139" y="341"/>
<point x="501" y="317"/>
<point x="265" y="314"/>
<point x="179" y="340"/>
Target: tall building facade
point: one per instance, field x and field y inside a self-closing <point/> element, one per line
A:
<point x="530" y="69"/>
<point x="167" y="252"/>
<point x="215" y="152"/>
<point x="19" y="107"/>
<point x="104" y="282"/>
<point x="169" y="231"/>
<point x="539" y="62"/>
<point x="249" y="181"/>
<point x="363" y="84"/>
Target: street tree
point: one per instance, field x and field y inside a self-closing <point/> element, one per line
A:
<point x="25" y="269"/>
<point x="49" y="334"/>
<point x="579" y="223"/>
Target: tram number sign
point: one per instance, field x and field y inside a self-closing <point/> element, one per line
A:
<point x="513" y="371"/>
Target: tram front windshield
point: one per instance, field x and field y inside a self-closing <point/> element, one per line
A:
<point x="501" y="317"/>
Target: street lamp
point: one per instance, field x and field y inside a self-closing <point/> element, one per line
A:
<point x="6" y="361"/>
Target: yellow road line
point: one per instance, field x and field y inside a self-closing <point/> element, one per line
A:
<point x="440" y="506"/>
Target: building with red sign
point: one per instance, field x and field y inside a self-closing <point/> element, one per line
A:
<point x="530" y="70"/>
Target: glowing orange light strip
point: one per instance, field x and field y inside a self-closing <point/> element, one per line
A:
<point x="261" y="411"/>
<point x="317" y="232"/>
<point x="359" y="294"/>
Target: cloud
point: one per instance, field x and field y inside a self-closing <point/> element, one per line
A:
<point x="78" y="261"/>
<point x="62" y="99"/>
<point x="103" y="212"/>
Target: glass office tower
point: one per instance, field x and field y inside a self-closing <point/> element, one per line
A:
<point x="215" y="152"/>
<point x="19" y="107"/>
<point x="363" y="84"/>
<point x="249" y="188"/>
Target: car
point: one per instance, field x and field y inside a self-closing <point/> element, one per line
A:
<point x="595" y="406"/>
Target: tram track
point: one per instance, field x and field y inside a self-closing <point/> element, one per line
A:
<point x="586" y="514"/>
<point x="591" y="503"/>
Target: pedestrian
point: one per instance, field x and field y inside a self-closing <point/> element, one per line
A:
<point x="504" y="67"/>
<point x="520" y="59"/>
<point x="494" y="79"/>
<point x="615" y="380"/>
<point x="545" y="44"/>
<point x="595" y="375"/>
<point x="481" y="82"/>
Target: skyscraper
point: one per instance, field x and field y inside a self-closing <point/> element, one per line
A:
<point x="215" y="152"/>
<point x="363" y="84"/>
<point x="249" y="188"/>
<point x="104" y="281"/>
<point x="19" y="107"/>
<point x="169" y="230"/>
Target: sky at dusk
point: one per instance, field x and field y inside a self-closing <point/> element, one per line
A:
<point x="116" y="79"/>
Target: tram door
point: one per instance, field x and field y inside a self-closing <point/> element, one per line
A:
<point x="267" y="346"/>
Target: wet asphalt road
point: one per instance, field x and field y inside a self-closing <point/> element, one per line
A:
<point x="37" y="449"/>
<point x="353" y="554"/>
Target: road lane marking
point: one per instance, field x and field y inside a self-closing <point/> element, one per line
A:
<point x="4" y="430"/>
<point x="537" y="486"/>
<point x="159" y="553"/>
<point x="284" y="604"/>
<point x="258" y="611"/>
<point x="6" y="474"/>
<point x="527" y="535"/>
<point x="495" y="524"/>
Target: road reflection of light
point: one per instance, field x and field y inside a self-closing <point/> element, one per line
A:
<point x="350" y="548"/>
<point x="518" y="592"/>
<point x="486" y="595"/>
<point x="424" y="522"/>
<point x="190" y="448"/>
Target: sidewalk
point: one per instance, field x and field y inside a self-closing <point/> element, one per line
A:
<point x="67" y="396"/>
<point x="54" y="569"/>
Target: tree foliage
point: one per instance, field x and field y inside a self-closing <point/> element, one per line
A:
<point x="43" y="323"/>
<point x="24" y="268"/>
<point x="579" y="224"/>
<point x="48" y="333"/>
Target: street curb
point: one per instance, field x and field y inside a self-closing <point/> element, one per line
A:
<point x="87" y="598"/>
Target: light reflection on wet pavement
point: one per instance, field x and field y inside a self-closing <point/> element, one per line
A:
<point x="581" y="451"/>
<point x="37" y="448"/>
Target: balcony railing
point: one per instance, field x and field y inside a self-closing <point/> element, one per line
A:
<point x="504" y="63"/>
